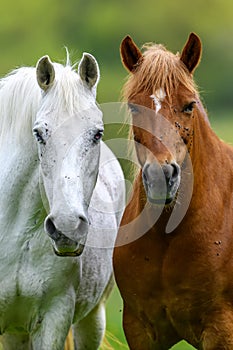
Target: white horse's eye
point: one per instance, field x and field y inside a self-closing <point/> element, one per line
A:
<point x="98" y="135"/>
<point x="41" y="134"/>
<point x="38" y="135"/>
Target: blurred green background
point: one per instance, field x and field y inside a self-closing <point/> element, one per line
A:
<point x="30" y="29"/>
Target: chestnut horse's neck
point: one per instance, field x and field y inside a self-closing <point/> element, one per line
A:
<point x="208" y="154"/>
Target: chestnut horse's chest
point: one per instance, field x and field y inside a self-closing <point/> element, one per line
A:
<point x="174" y="282"/>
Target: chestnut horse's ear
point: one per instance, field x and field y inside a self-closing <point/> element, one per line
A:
<point x="130" y="53"/>
<point x="191" y="53"/>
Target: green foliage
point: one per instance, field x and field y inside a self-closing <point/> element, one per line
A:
<point x="30" y="29"/>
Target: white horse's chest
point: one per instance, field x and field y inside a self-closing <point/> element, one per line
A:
<point x="30" y="275"/>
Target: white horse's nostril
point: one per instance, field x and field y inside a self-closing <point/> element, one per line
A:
<point x="83" y="219"/>
<point x="50" y="229"/>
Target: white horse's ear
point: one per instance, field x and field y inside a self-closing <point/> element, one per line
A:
<point x="45" y="73"/>
<point x="88" y="70"/>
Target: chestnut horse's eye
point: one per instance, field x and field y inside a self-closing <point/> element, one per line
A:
<point x="136" y="138"/>
<point x="133" y="108"/>
<point x="189" y="107"/>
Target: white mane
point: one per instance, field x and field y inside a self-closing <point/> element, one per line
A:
<point x="20" y="99"/>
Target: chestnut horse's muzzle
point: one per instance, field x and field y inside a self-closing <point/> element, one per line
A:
<point x="161" y="182"/>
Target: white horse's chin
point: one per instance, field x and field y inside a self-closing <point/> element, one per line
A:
<point x="70" y="248"/>
<point x="68" y="251"/>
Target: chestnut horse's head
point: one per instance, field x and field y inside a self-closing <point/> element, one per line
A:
<point x="164" y="102"/>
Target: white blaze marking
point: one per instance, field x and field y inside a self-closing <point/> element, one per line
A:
<point x="158" y="97"/>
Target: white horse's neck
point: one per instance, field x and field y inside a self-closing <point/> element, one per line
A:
<point x="20" y="206"/>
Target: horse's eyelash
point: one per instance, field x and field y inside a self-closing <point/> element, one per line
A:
<point x="188" y="107"/>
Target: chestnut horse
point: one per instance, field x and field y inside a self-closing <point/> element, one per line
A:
<point x="173" y="257"/>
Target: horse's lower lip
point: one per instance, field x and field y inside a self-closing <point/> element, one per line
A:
<point x="160" y="201"/>
<point x="75" y="253"/>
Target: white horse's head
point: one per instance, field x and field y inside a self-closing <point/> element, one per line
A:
<point x="68" y="129"/>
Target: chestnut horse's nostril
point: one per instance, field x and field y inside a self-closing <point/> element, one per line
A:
<point x="145" y="172"/>
<point x="175" y="171"/>
<point x="171" y="172"/>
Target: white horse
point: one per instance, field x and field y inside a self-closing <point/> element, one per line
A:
<point x="65" y="182"/>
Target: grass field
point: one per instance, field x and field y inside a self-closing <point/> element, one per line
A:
<point x="224" y="129"/>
